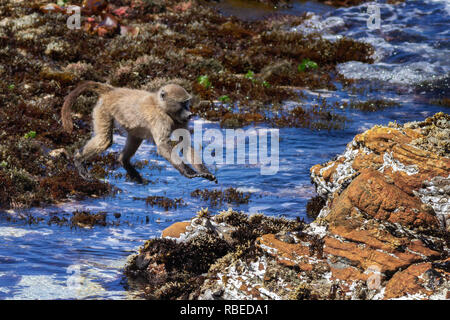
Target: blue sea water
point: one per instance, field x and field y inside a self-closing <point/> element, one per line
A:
<point x="39" y="261"/>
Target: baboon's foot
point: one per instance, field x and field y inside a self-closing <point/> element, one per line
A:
<point x="133" y="174"/>
<point x="136" y="178"/>
<point x="82" y="170"/>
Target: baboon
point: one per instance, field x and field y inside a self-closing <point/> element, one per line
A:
<point x="144" y="115"/>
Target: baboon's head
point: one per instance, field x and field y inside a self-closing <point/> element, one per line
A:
<point x="175" y="101"/>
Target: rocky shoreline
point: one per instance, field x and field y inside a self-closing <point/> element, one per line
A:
<point x="383" y="232"/>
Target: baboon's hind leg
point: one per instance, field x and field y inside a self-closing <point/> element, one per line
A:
<point x="102" y="139"/>
<point x="130" y="149"/>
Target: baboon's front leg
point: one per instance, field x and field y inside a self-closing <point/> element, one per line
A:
<point x="195" y="161"/>
<point x="165" y="150"/>
<point x="130" y="149"/>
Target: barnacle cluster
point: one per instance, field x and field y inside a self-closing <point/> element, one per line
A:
<point x="169" y="269"/>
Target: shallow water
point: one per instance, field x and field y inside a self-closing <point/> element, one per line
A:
<point x="248" y="10"/>
<point x="50" y="262"/>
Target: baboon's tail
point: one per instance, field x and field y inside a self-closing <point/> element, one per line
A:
<point x="66" y="116"/>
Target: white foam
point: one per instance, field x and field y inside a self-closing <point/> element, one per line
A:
<point x="17" y="232"/>
<point x="405" y="45"/>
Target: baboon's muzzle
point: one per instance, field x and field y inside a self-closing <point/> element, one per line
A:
<point x="186" y="114"/>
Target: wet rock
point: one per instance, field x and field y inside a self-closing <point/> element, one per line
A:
<point x="394" y="165"/>
<point x="142" y="261"/>
<point x="175" y="230"/>
<point x="420" y="281"/>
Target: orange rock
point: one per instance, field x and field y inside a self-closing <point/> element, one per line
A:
<point x="397" y="144"/>
<point x="381" y="139"/>
<point x="408" y="282"/>
<point x="305" y="266"/>
<point x="327" y="174"/>
<point x="369" y="234"/>
<point x="362" y="217"/>
<point x="417" y="245"/>
<point x="175" y="230"/>
<point x="364" y="257"/>
<point x="348" y="274"/>
<point x="286" y="253"/>
<point x="363" y="160"/>
<point x="371" y="194"/>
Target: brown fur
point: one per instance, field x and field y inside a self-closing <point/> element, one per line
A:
<point x="145" y="115"/>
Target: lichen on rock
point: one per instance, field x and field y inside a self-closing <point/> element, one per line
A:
<point x="399" y="162"/>
<point x="193" y="252"/>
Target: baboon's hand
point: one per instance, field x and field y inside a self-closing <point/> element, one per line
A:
<point x="208" y="176"/>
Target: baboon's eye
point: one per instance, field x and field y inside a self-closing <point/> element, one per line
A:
<point x="186" y="104"/>
<point x="163" y="94"/>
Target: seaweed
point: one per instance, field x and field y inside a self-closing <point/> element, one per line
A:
<point x="373" y="105"/>
<point x="314" y="206"/>
<point x="85" y="219"/>
<point x="321" y="116"/>
<point x="169" y="269"/>
<point x="163" y="202"/>
<point x="445" y="102"/>
<point x="218" y="197"/>
<point x="174" y="269"/>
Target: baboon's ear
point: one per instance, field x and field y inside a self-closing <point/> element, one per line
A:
<point x="163" y="94"/>
<point x="195" y="100"/>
